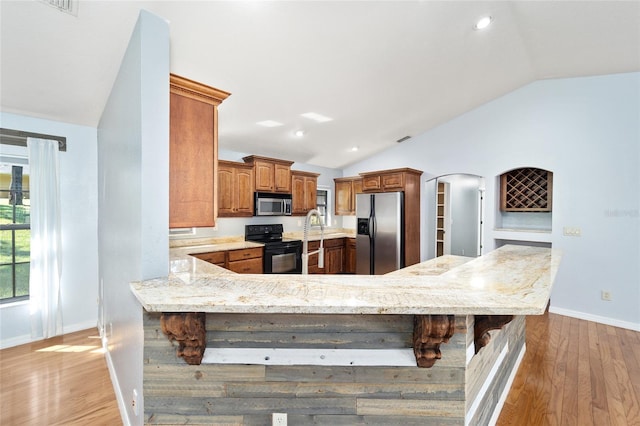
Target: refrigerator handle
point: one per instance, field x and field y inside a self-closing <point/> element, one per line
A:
<point x="372" y="227"/>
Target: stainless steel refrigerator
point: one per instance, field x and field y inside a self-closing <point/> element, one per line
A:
<point x="380" y="233"/>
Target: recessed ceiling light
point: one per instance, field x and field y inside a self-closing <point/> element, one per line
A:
<point x="299" y="133"/>
<point x="483" y="23"/>
<point x="316" y="117"/>
<point x="354" y="149"/>
<point x="269" y="123"/>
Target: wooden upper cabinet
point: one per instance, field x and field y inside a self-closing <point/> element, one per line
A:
<point x="346" y="190"/>
<point x="385" y="181"/>
<point x="304" y="190"/>
<point x="193" y="153"/>
<point x="235" y="189"/>
<point x="271" y="174"/>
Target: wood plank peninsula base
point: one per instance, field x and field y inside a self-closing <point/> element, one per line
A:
<point x="358" y="342"/>
<point x="429" y="331"/>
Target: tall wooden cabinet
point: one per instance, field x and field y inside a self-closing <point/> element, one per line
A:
<point x="271" y="174"/>
<point x="193" y="152"/>
<point x="304" y="191"/>
<point x="235" y="189"/>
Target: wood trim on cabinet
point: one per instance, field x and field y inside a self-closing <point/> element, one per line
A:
<point x="194" y="90"/>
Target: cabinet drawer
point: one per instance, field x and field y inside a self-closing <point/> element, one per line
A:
<point x="250" y="253"/>
<point x="393" y="181"/>
<point x="216" y="257"/>
<point x="249" y="266"/>
<point x="334" y="242"/>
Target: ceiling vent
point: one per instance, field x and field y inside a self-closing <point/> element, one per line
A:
<point x="403" y="139"/>
<point x="67" y="6"/>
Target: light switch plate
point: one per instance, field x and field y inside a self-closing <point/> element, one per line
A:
<point x="569" y="231"/>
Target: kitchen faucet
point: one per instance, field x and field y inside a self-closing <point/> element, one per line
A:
<point x="305" y="244"/>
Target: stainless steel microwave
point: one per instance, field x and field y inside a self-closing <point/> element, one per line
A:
<point x="267" y="204"/>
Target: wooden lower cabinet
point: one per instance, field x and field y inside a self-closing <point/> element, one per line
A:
<point x="339" y="256"/>
<point x="334" y="256"/>
<point x="242" y="261"/>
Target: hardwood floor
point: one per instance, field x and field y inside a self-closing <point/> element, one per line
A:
<point x="59" y="381"/>
<point x="574" y="372"/>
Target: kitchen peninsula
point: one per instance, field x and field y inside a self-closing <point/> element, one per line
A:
<point x="434" y="342"/>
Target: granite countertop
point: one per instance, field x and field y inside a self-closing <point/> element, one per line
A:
<point x="182" y="247"/>
<point x="512" y="280"/>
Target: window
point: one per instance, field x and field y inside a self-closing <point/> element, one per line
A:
<point x="321" y="204"/>
<point x="15" y="234"/>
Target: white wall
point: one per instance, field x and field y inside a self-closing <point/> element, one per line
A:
<point x="133" y="197"/>
<point x="79" y="280"/>
<point x="587" y="131"/>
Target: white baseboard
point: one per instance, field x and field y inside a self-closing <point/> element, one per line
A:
<point x="16" y="341"/>
<point x="595" y="318"/>
<point x="26" y="338"/>
<point x="116" y="386"/>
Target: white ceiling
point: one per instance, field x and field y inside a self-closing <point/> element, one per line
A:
<point x="381" y="70"/>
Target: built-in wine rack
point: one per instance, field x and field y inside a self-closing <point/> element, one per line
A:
<point x="526" y="190"/>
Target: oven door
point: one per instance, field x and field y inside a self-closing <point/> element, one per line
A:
<point x="283" y="258"/>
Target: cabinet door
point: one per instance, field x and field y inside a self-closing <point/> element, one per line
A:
<point x="343" y="198"/>
<point x="265" y="174"/>
<point x="393" y="182"/>
<point x="334" y="260"/>
<point x="310" y="193"/>
<point x="226" y="177"/>
<point x="282" y="178"/>
<point x="244" y="187"/>
<point x="235" y="189"/>
<point x="350" y="256"/>
<point x="298" y="194"/>
<point x="192" y="161"/>
<point x="371" y="183"/>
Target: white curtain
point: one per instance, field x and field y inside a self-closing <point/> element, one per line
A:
<point x="46" y="247"/>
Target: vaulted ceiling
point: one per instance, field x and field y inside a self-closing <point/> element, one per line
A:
<point x="381" y="70"/>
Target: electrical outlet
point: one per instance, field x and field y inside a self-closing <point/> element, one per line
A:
<point x="606" y="295"/>
<point x="134" y="402"/>
<point x="279" y="419"/>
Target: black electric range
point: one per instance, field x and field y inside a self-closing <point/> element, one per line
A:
<point x="281" y="256"/>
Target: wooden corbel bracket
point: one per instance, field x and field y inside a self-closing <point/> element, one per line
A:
<point x="429" y="331"/>
<point x="188" y="329"/>
<point x="485" y="323"/>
